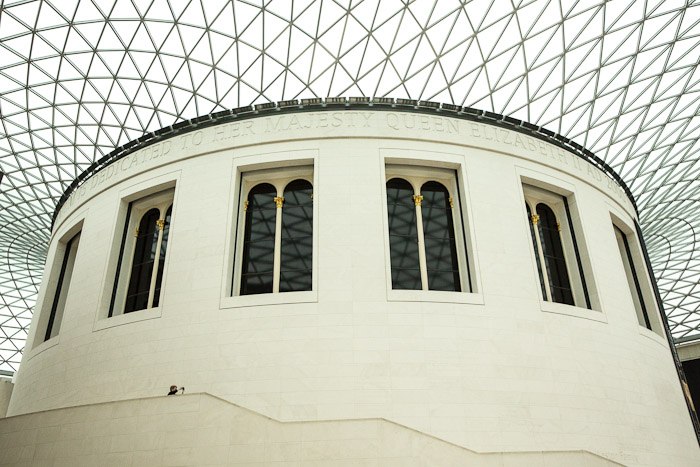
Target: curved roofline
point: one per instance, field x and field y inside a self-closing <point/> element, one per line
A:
<point x="347" y="103"/>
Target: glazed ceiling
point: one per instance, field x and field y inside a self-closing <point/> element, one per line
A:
<point x="79" y="78"/>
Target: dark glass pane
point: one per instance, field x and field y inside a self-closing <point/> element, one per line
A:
<point x="142" y="265"/>
<point x="254" y="283"/>
<point x="553" y="253"/>
<point x="136" y="302"/>
<point x="259" y="240"/>
<point x="407" y="279"/>
<point x="439" y="236"/>
<point x="161" y="257"/>
<point x="403" y="235"/>
<point x="296" y="253"/>
<point x="291" y="281"/>
<point x="537" y="251"/>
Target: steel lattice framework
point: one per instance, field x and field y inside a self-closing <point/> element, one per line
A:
<point x="79" y="78"/>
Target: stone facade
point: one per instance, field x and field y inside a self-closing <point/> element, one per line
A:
<point x="494" y="370"/>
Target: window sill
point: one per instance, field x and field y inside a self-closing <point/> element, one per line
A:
<point x="46" y="345"/>
<point x="434" y="296"/>
<point x="575" y="311"/>
<point x="281" y="298"/>
<point x="128" y="318"/>
<point x="649" y="334"/>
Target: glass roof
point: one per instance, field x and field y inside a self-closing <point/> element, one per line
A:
<point x="79" y="78"/>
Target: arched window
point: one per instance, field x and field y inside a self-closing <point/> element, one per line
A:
<point x="296" y="252"/>
<point x="439" y="234"/>
<point x="141" y="265"/>
<point x="422" y="235"/>
<point x="537" y="249"/>
<point x="148" y="261"/>
<point x="553" y="255"/>
<point x="559" y="265"/>
<point x="403" y="235"/>
<point x="277" y="253"/>
<point x="259" y="240"/>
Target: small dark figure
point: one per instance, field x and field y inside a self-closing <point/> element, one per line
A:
<point x="173" y="390"/>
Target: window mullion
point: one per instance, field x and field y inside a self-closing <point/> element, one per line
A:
<point x="418" y="200"/>
<point x="277" y="265"/>
<point x="160" y="223"/>
<point x="238" y="276"/>
<point x="457" y="220"/>
<point x="535" y="219"/>
<point x="130" y="264"/>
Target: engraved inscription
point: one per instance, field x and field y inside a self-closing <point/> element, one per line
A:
<point x="551" y="152"/>
<point x="400" y="121"/>
<point x="227" y="134"/>
<point x="528" y="143"/>
<point x="190" y="140"/>
<point x="149" y="153"/>
<point x="233" y="130"/>
<point x="318" y="120"/>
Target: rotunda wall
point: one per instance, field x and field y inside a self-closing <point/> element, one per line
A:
<point x="494" y="368"/>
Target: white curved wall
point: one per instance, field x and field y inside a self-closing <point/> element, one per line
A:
<point x="495" y="370"/>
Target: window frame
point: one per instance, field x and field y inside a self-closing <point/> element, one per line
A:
<point x="561" y="204"/>
<point x="299" y="164"/>
<point x="637" y="278"/>
<point x="53" y="287"/>
<point x="449" y="172"/>
<point x="60" y="294"/>
<point x="143" y="186"/>
<point x="163" y="201"/>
